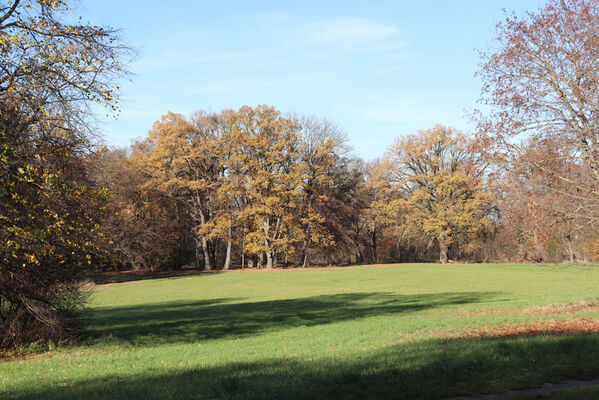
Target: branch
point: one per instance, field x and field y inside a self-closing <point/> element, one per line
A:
<point x="9" y="13"/>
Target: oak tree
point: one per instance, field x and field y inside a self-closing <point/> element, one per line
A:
<point x="442" y="188"/>
<point x="266" y="159"/>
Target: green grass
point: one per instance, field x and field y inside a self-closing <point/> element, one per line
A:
<point x="350" y="333"/>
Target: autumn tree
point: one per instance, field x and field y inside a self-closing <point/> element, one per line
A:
<point x="442" y="188"/>
<point x="323" y="147"/>
<point x="541" y="219"/>
<point x="249" y="179"/>
<point x="541" y="81"/>
<point x="267" y="160"/>
<point x="381" y="205"/>
<point x="50" y="73"/>
<point x="222" y="203"/>
<point x="145" y="229"/>
<point x="184" y="162"/>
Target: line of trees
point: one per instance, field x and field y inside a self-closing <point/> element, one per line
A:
<point x="255" y="188"/>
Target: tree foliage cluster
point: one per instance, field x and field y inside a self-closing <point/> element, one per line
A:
<point x="250" y="187"/>
<point x="540" y="129"/>
<point x="253" y="187"/>
<point x="50" y="72"/>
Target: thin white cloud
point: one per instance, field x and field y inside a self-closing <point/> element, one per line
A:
<point x="169" y="60"/>
<point x="343" y="32"/>
<point x="273" y="38"/>
<point x="240" y="85"/>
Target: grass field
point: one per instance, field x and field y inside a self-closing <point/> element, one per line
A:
<point x="393" y="331"/>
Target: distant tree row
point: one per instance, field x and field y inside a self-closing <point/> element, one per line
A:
<point x="254" y="188"/>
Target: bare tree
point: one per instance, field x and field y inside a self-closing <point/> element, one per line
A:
<point x="541" y="80"/>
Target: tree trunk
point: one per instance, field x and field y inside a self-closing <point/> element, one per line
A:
<point x="570" y="249"/>
<point x="243" y="252"/>
<point x="207" y="265"/>
<point x="359" y="256"/>
<point x="269" y="260"/>
<point x="268" y="254"/>
<point x="228" y="256"/>
<point x="444" y="250"/>
<point x="375" y="258"/>
<point x="198" y="244"/>
<point x="305" y="253"/>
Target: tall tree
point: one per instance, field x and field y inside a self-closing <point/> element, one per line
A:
<point x="442" y="188"/>
<point x="146" y="229"/>
<point x="322" y="147"/>
<point x="271" y="179"/>
<point x="185" y="163"/>
<point x="545" y="220"/>
<point x="541" y="80"/>
<point x="50" y="72"/>
<point x="381" y="209"/>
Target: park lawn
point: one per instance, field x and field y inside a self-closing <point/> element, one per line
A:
<point x="389" y="331"/>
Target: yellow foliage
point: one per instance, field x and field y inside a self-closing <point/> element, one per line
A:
<point x="442" y="188"/>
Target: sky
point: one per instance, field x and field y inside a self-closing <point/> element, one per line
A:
<point x="377" y="69"/>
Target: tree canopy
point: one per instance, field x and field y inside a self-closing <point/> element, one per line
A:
<point x="50" y="72"/>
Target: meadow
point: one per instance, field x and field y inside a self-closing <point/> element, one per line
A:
<point x="387" y="331"/>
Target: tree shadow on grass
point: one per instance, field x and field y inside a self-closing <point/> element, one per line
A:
<point x="426" y="370"/>
<point x="181" y="322"/>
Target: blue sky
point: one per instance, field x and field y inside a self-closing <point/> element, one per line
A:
<point x="377" y="69"/>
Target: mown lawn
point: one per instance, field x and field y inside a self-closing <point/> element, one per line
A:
<point x="394" y="331"/>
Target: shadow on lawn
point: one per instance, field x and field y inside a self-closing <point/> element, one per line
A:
<point x="430" y="370"/>
<point x="214" y="319"/>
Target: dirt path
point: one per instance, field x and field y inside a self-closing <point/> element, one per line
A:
<point x="545" y="390"/>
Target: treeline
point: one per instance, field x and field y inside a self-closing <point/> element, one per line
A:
<point x="254" y="188"/>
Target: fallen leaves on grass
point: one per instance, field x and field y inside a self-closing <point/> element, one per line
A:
<point x="527" y="329"/>
<point x="550" y="309"/>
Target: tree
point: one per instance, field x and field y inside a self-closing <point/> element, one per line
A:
<point x="381" y="208"/>
<point x="542" y="220"/>
<point x="50" y="72"/>
<point x="542" y="78"/>
<point x="441" y="187"/>
<point x="322" y="147"/>
<point x="269" y="176"/>
<point x="215" y="135"/>
<point x="184" y="161"/>
<point x="146" y="229"/>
